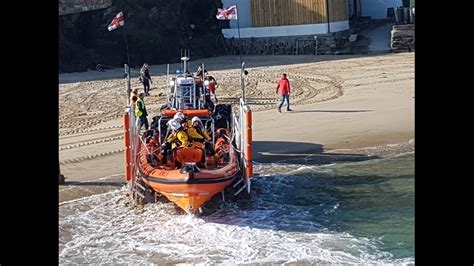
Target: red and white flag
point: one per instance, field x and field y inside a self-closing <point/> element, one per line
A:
<point x="227" y="14"/>
<point x="117" y="22"/>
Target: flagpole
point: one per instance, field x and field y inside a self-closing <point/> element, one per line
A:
<point x="126" y="45"/>
<point x="223" y="14"/>
<point x="117" y="22"/>
<point x="240" y="41"/>
<point x="129" y="89"/>
<point x="240" y="53"/>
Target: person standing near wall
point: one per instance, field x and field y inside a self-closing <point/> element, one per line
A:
<point x="283" y="89"/>
<point x="145" y="78"/>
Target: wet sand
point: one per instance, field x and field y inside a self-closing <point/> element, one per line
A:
<point x="339" y="102"/>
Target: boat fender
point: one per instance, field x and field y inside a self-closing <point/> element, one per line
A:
<point x="189" y="169"/>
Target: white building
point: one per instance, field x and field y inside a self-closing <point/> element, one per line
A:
<point x="271" y="18"/>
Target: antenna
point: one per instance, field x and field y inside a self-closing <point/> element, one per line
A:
<point x="185" y="58"/>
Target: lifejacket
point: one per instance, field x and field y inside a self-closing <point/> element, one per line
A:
<point x="203" y="133"/>
<point x="196" y="133"/>
<point x="178" y="138"/>
<point x="138" y="112"/>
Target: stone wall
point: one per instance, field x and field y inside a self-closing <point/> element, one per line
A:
<point x="77" y="6"/>
<point x="294" y="45"/>
<point x="403" y="37"/>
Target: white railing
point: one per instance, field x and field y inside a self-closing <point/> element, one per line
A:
<point x="132" y="131"/>
<point x="240" y="133"/>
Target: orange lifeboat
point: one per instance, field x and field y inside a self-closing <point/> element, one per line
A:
<point x="190" y="176"/>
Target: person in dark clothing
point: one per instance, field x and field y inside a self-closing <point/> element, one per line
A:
<point x="199" y="72"/>
<point x="207" y="100"/>
<point x="145" y="78"/>
<point x="140" y="111"/>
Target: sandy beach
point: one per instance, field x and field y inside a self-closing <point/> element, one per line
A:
<point x="339" y="102"/>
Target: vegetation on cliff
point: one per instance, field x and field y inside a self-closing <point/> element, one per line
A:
<point x="156" y="31"/>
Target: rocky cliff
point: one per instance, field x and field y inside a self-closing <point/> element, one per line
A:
<point x="156" y="31"/>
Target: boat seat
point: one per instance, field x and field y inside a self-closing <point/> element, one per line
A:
<point x="188" y="155"/>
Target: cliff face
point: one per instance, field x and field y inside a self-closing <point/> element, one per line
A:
<point x="76" y="6"/>
<point x="156" y="31"/>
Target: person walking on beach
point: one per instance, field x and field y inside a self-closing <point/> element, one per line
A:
<point x="283" y="89"/>
<point x="145" y="78"/>
<point x="140" y="111"/>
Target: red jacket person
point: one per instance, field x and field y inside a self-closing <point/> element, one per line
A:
<point x="283" y="89"/>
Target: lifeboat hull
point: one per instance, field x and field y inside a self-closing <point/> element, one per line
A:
<point x="189" y="197"/>
<point x="189" y="189"/>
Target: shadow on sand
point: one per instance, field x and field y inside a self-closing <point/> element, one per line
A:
<point x="329" y="111"/>
<point x="300" y="153"/>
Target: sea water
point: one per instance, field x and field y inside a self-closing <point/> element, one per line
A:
<point x="345" y="212"/>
